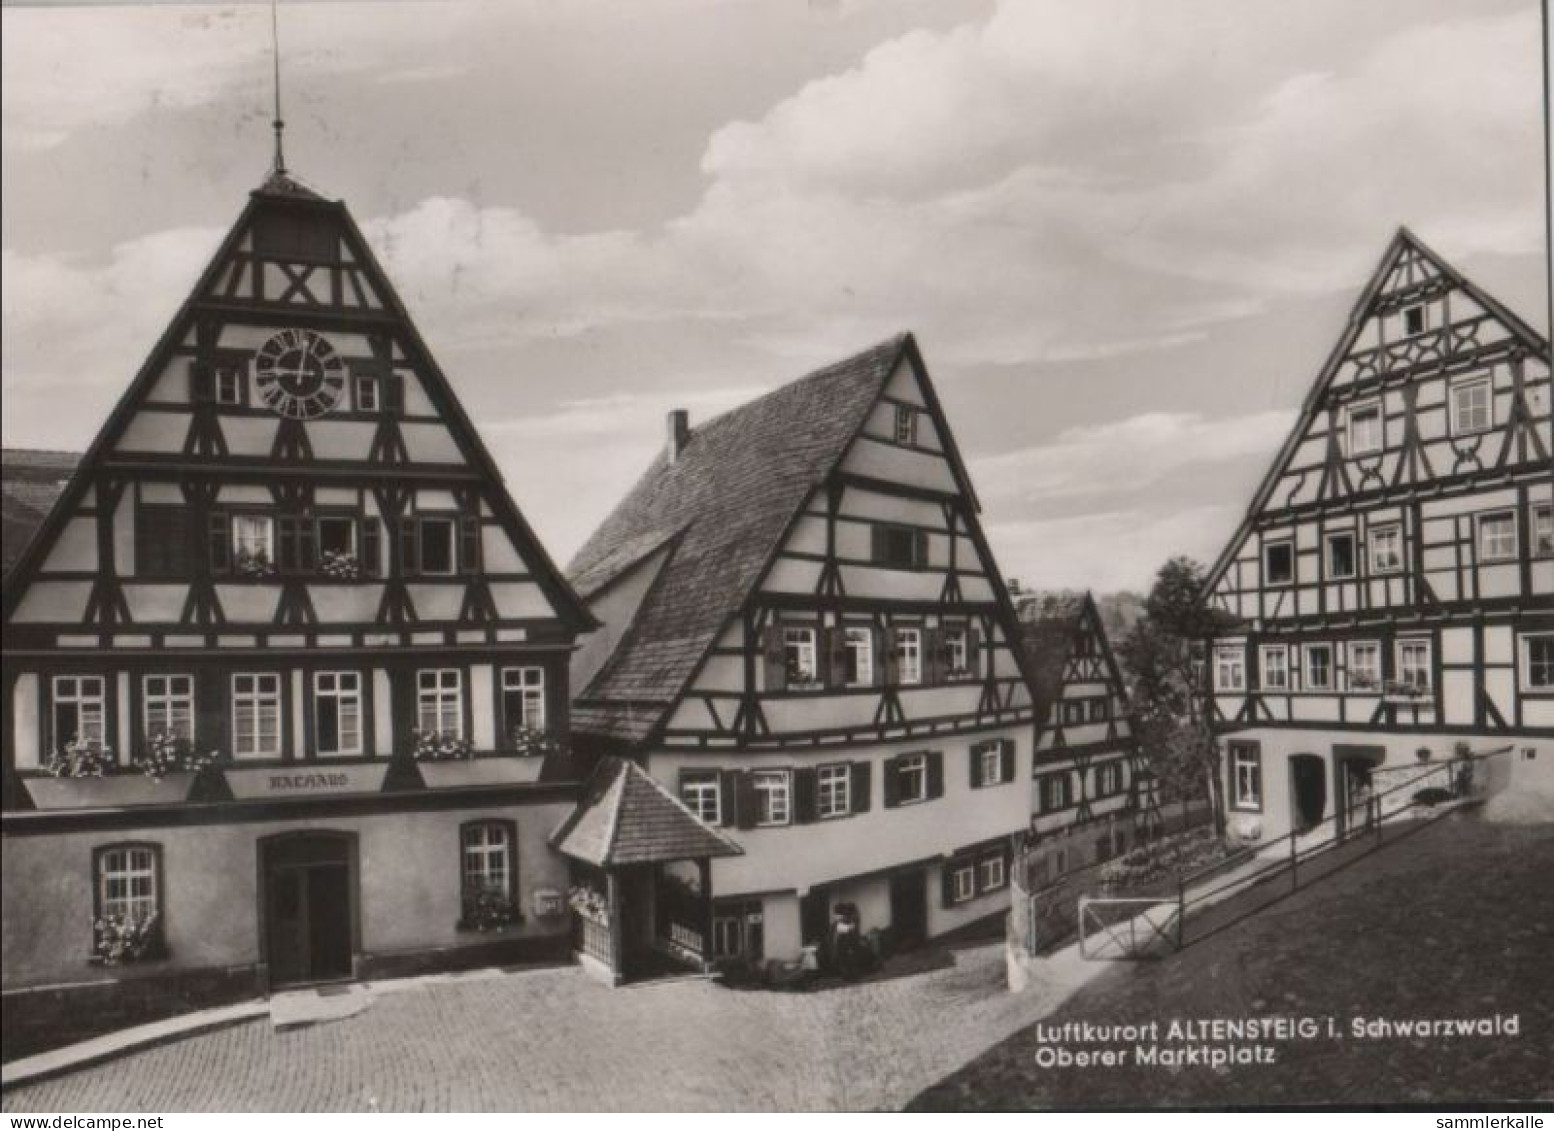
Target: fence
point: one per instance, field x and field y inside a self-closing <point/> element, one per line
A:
<point x="1165" y="915"/>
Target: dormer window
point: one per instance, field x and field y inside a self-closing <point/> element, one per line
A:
<point x="906" y="426"/>
<point x="1415" y="320"/>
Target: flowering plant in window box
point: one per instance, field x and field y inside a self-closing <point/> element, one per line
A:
<point x="488" y="909"/>
<point x="340" y="566"/>
<point x="126" y="938"/>
<point x="954" y="673"/>
<point x="165" y="754"/>
<point x="253" y="564"/>
<point x="439" y="746"/>
<point x="589" y="904"/>
<point x="799" y="677"/>
<point x="532" y="742"/>
<point x="81" y="759"/>
<point x="1396" y="689"/>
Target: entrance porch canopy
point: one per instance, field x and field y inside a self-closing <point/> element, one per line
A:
<point x="627" y="826"/>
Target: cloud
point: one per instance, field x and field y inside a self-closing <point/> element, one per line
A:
<point x="1130" y="455"/>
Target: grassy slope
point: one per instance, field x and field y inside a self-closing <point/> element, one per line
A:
<point x="1455" y="921"/>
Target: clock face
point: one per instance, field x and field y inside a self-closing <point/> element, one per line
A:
<point x="298" y="374"/>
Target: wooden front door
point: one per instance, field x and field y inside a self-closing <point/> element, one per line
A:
<point x="909" y="907"/>
<point x="309" y="925"/>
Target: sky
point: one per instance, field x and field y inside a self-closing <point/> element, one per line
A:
<point x="1125" y="232"/>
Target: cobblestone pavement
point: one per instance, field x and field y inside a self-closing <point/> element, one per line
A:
<point x="554" y="1040"/>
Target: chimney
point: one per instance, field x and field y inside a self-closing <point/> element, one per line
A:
<point x="679" y="433"/>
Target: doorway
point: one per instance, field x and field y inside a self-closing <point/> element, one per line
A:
<point x="309" y="920"/>
<point x="1352" y="766"/>
<point x="909" y="907"/>
<point x="1308" y="791"/>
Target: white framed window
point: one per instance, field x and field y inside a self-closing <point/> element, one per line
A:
<point x="799" y="655"/>
<point x="911" y="778"/>
<point x="169" y="705"/>
<point x="1340" y="556"/>
<point x="487" y="858"/>
<point x="366" y="391"/>
<point x="1416" y="320"/>
<point x="990" y="765"/>
<point x="438" y="550"/>
<point x="701" y="792"/>
<point x="858" y="641"/>
<point x="1279" y="562"/>
<point x="1364" y="665"/>
<point x="1472" y="407"/>
<point x="1414" y="664"/>
<point x="1108" y="779"/>
<point x="523" y="698"/>
<point x="1230" y="668"/>
<point x="773" y="796"/>
<point x="253" y="540"/>
<point x="1541" y="527"/>
<point x="909" y="654"/>
<point x="833" y="791"/>
<point x="1497" y="537"/>
<point x="728" y="936"/>
<point x="1367" y="432"/>
<point x="1054" y="791"/>
<point x="79" y="710"/>
<point x="1319" y="667"/>
<point x="1246" y="775"/>
<point x="1276" y="667"/>
<point x="127" y="883"/>
<point x="1538" y="662"/>
<point x="229" y="386"/>
<point x="337" y="714"/>
<point x="906" y="426"/>
<point x="957" y="652"/>
<point x="440" y="701"/>
<point x="991" y="875"/>
<point x="1386" y="548"/>
<point x="256" y="715"/>
<point x="964" y="880"/>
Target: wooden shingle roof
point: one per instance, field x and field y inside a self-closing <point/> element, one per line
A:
<point x="30" y="483"/>
<point x="726" y="503"/>
<point x="625" y="817"/>
<point x="1050" y="623"/>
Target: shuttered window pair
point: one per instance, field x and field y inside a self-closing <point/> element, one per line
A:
<point x="257" y="545"/>
<point x="1054" y="792"/>
<point x="439" y="545"/>
<point x="912" y="778"/>
<point x="802" y="656"/>
<point x="898" y="547"/>
<point x="992" y="762"/>
<point x="748" y="799"/>
<point x="975" y="872"/>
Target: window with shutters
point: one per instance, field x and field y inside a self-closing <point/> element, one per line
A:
<point x="833" y="791"/>
<point x="367" y="393"/>
<point x="256" y="715"/>
<point x="701" y="793"/>
<point x="79" y="712"/>
<point x="990" y="764"/>
<point x="1108" y="779"/>
<point x="253" y="545"/>
<point x="858" y="656"/>
<point x="964" y="883"/>
<point x="440" y="701"/>
<point x="911" y="775"/>
<point x="956" y="644"/>
<point x="168" y="705"/>
<point x="1054" y="792"/>
<point x="773" y="796"/>
<point x="991" y="874"/>
<point x="162" y="541"/>
<point x="229" y="385"/>
<point x="337" y="713"/>
<point x="437" y="549"/>
<point x="900" y="547"/>
<point x="337" y="536"/>
<point x="909" y="655"/>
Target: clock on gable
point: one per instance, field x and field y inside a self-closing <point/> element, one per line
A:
<point x="299" y="375"/>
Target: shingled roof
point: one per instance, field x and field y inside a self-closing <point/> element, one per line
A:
<point x="625" y="817"/>
<point x="30" y="482"/>
<point x="1050" y="622"/>
<point x="723" y="506"/>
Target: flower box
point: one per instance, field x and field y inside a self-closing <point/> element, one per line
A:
<point x="114" y="791"/>
<point x="455" y="772"/>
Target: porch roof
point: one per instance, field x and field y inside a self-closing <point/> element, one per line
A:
<point x="626" y="817"/>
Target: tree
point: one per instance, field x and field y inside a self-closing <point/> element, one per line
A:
<point x="1164" y="657"/>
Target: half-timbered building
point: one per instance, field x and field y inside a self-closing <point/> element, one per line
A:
<point x="1090" y="785"/>
<point x="288" y="550"/>
<point x="1393" y="581"/>
<point x="806" y="639"/>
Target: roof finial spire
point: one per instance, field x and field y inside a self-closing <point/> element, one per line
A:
<point x="279" y="123"/>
